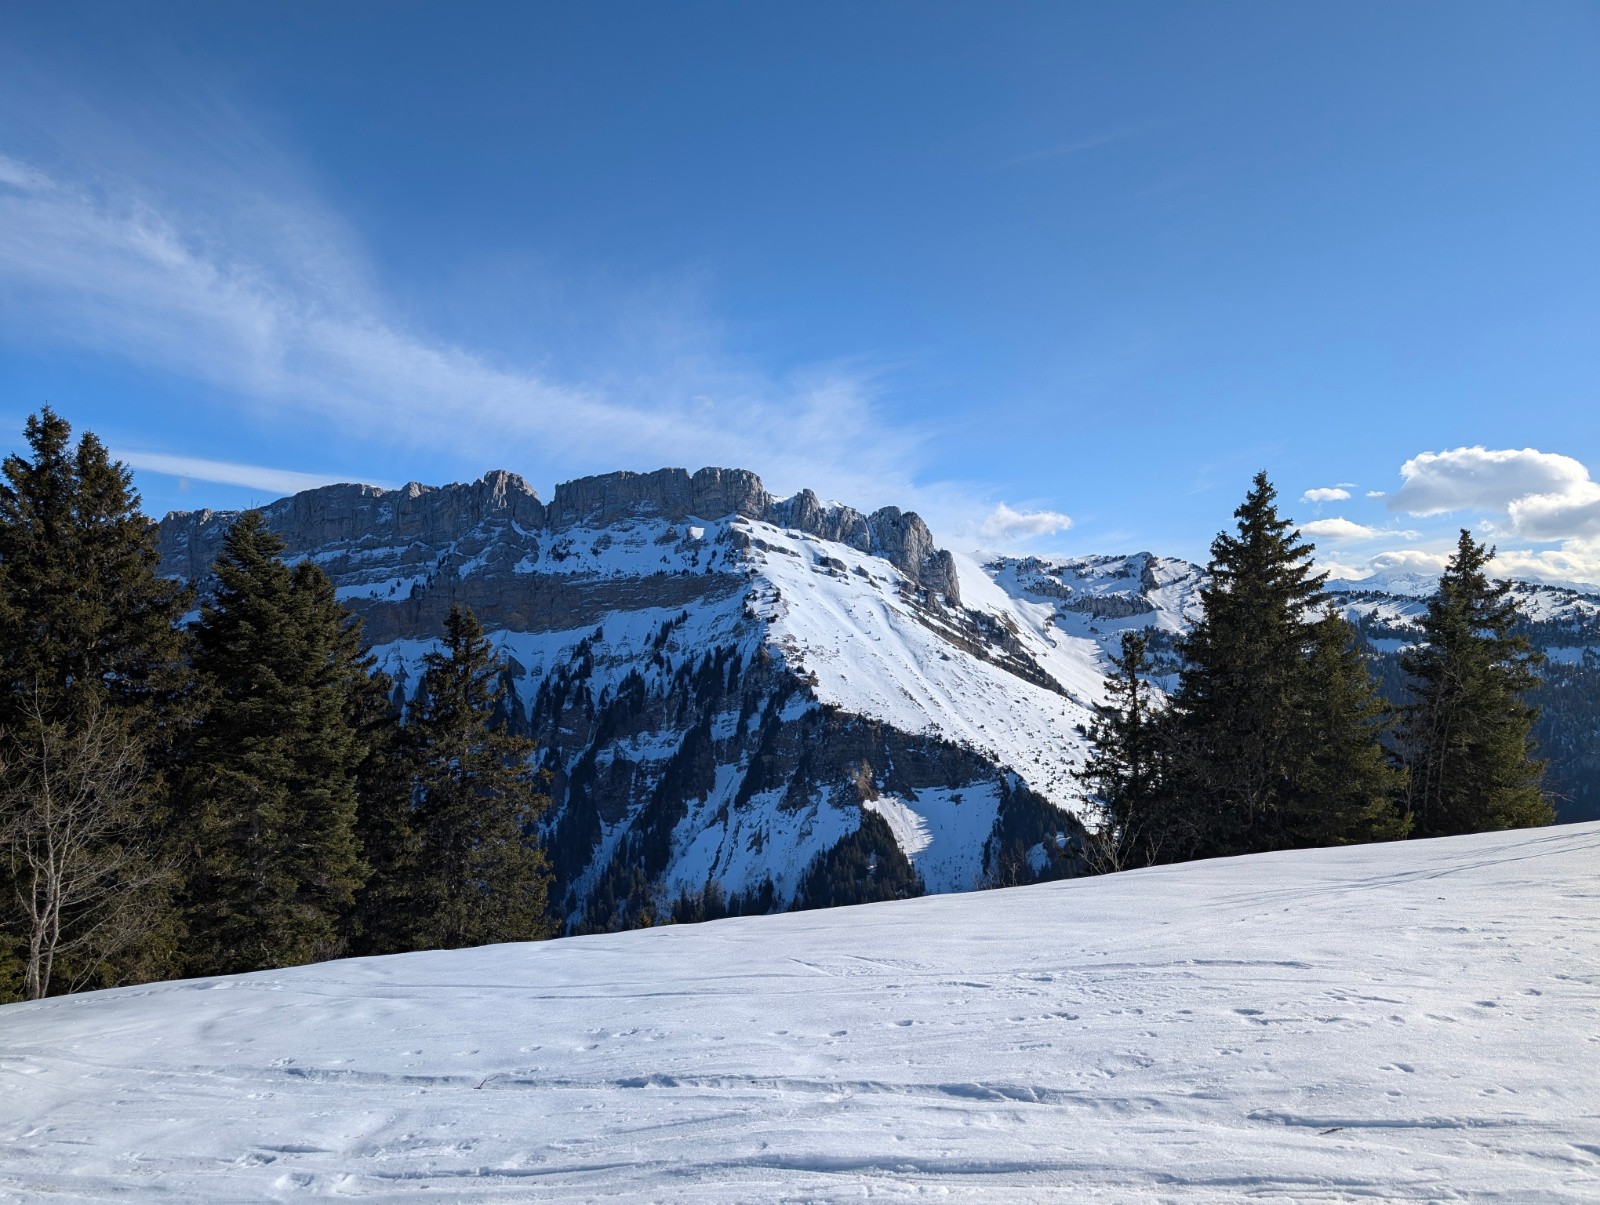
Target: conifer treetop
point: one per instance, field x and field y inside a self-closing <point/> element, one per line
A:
<point x="1268" y="550"/>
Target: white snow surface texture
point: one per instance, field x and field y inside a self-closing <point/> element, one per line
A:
<point x="1416" y="1021"/>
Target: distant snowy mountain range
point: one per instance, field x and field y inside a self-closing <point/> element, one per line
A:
<point x="728" y="685"/>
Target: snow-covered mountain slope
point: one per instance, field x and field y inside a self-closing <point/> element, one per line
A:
<point x="1417" y="1021"/>
<point x="728" y="685"/>
<point x="1561" y="622"/>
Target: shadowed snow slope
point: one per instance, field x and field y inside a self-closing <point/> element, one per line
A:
<point x="1414" y="1021"/>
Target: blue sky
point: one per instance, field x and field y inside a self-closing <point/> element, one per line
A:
<point x="1008" y="265"/>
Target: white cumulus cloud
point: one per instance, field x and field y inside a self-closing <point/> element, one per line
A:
<point x="1410" y="560"/>
<point x="1546" y="496"/>
<point x="1576" y="561"/>
<point x="1573" y="513"/>
<point x="1326" y="494"/>
<point x="1516" y="496"/>
<point x="1347" y="531"/>
<point x="1482" y="479"/>
<point x="1006" y="523"/>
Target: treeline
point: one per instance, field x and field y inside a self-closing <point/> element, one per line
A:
<point x="193" y="791"/>
<point x="1276" y="736"/>
<point x="200" y="786"/>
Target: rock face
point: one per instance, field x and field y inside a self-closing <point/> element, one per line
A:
<point x="360" y="517"/>
<point x="365" y="521"/>
<point x="670" y="494"/>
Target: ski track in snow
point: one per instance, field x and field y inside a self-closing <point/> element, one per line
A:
<point x="1406" y="1022"/>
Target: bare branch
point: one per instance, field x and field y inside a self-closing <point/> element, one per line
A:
<point x="82" y="866"/>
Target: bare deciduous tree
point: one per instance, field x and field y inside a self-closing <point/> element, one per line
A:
<point x="82" y="869"/>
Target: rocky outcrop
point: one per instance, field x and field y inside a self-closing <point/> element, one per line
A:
<point x="360" y="517"/>
<point x="900" y="537"/>
<point x="841" y="524"/>
<point x="1110" y="606"/>
<point x="542" y="602"/>
<point x="410" y="539"/>
<point x="670" y="494"/>
<point x="903" y="539"/>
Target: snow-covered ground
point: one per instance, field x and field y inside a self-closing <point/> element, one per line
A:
<point x="1415" y="1022"/>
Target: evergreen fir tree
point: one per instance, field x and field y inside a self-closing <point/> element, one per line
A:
<point x="88" y="629"/>
<point x="1347" y="788"/>
<point x="386" y="915"/>
<point x="484" y="877"/>
<point x="271" y="778"/>
<point x="83" y="611"/>
<point x="1124" y="771"/>
<point x="1275" y="736"/>
<point x="1466" y="731"/>
<point x="1234" y="708"/>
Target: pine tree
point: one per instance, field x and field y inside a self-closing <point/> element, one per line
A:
<point x="89" y="639"/>
<point x="1466" y="731"/>
<point x="484" y="876"/>
<point x="84" y="616"/>
<point x="1275" y="737"/>
<point x="1347" y="788"/>
<point x="386" y="915"/>
<point x="1234" y="708"/>
<point x="270" y="782"/>
<point x="1124" y="772"/>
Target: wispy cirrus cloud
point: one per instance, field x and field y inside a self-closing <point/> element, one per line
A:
<point x="1072" y="146"/>
<point x="251" y="476"/>
<point x="180" y="234"/>
<point x="286" y="327"/>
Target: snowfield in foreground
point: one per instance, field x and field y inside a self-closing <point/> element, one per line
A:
<point x="1416" y="1021"/>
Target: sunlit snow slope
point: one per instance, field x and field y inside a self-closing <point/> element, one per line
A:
<point x="1413" y="1021"/>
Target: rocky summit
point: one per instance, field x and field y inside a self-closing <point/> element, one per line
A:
<point x="764" y="702"/>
